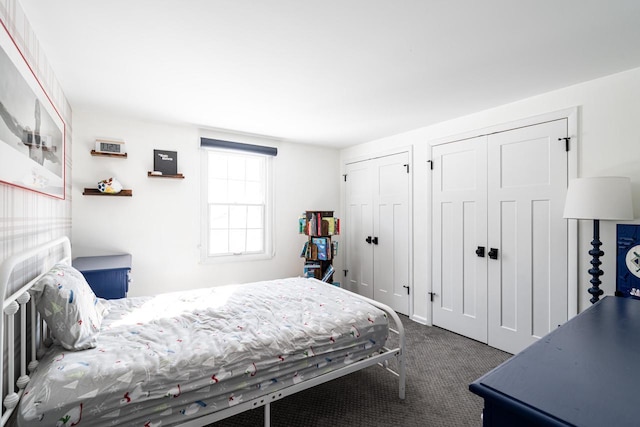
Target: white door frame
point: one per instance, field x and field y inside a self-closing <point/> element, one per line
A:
<point x="571" y="114"/>
<point x="377" y="155"/>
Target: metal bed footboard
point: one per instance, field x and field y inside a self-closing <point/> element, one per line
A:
<point x="382" y="358"/>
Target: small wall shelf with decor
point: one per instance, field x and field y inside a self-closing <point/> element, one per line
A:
<point x="99" y="154"/>
<point x="319" y="251"/>
<point x="161" y="175"/>
<point x="96" y="192"/>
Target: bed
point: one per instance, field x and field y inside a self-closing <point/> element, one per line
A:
<point x="187" y="358"/>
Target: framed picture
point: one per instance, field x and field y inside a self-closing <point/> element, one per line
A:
<point x="628" y="260"/>
<point x="32" y="132"/>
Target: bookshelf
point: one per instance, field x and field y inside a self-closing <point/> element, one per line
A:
<point x="319" y="250"/>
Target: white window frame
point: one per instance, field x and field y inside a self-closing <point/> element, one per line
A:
<point x="269" y="232"/>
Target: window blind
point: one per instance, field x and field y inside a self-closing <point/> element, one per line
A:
<point x="230" y="145"/>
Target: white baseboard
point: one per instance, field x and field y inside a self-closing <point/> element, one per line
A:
<point x="421" y="320"/>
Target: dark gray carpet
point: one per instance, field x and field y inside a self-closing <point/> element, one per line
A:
<point x="440" y="366"/>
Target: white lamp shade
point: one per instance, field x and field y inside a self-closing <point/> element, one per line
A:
<point x="607" y="198"/>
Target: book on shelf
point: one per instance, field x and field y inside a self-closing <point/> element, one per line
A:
<point x="328" y="273"/>
<point x="312" y="270"/>
<point x="322" y="248"/>
<point x="318" y="223"/>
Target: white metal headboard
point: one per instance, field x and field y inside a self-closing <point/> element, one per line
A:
<point x="16" y="303"/>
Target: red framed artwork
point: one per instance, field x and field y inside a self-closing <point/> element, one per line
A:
<point x="32" y="132"/>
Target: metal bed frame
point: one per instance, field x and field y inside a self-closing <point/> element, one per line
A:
<point x="14" y="305"/>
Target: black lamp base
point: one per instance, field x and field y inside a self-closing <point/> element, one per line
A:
<point x="595" y="271"/>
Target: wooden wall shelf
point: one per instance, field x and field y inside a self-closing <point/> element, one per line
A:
<point x="96" y="192"/>
<point x="178" y="176"/>
<point x="95" y="153"/>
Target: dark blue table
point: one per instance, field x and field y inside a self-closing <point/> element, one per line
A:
<point x="585" y="373"/>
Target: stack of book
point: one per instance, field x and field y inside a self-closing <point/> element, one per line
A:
<point x="319" y="248"/>
<point x="319" y="223"/>
<point x="312" y="269"/>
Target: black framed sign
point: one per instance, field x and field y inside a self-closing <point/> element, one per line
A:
<point x="165" y="162"/>
<point x="628" y="261"/>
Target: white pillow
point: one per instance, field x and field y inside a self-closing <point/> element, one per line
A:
<point x="69" y="306"/>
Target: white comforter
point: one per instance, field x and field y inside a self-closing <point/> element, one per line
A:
<point x="165" y="359"/>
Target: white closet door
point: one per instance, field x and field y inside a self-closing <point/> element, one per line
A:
<point x="391" y="227"/>
<point x="358" y="225"/>
<point x="527" y="184"/>
<point x="459" y="226"/>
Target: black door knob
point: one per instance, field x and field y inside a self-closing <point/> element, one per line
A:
<point x="480" y="251"/>
<point x="493" y="253"/>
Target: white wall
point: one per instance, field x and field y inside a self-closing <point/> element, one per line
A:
<point x="608" y="144"/>
<point x="160" y="224"/>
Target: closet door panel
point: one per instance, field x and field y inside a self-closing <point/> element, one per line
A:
<point x="527" y="284"/>
<point x="447" y="241"/>
<point x="508" y="253"/>
<point x="358" y="226"/>
<point x="391" y="225"/>
<point x="470" y="235"/>
<point x="541" y="274"/>
<point x="459" y="227"/>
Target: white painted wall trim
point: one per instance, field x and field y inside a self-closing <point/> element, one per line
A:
<point x="567" y="113"/>
<point x="379" y="154"/>
<point x="421" y="320"/>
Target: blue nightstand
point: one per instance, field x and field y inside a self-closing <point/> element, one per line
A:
<point x="108" y="275"/>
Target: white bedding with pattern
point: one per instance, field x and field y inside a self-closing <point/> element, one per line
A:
<point x="166" y="359"/>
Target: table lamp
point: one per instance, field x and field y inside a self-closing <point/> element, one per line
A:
<point x="598" y="198"/>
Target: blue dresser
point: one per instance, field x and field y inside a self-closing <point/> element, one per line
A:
<point x="585" y="373"/>
<point x="108" y="275"/>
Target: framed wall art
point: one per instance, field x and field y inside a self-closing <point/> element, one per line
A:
<point x="628" y="260"/>
<point x="32" y="132"/>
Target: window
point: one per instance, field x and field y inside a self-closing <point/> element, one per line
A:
<point x="237" y="205"/>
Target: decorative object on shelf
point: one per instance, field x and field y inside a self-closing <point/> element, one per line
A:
<point x="319" y="251"/>
<point x="165" y="162"/>
<point x="628" y="261"/>
<point x="32" y="146"/>
<point x="110" y="186"/>
<point x="598" y="198"/>
<point x="110" y="146"/>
